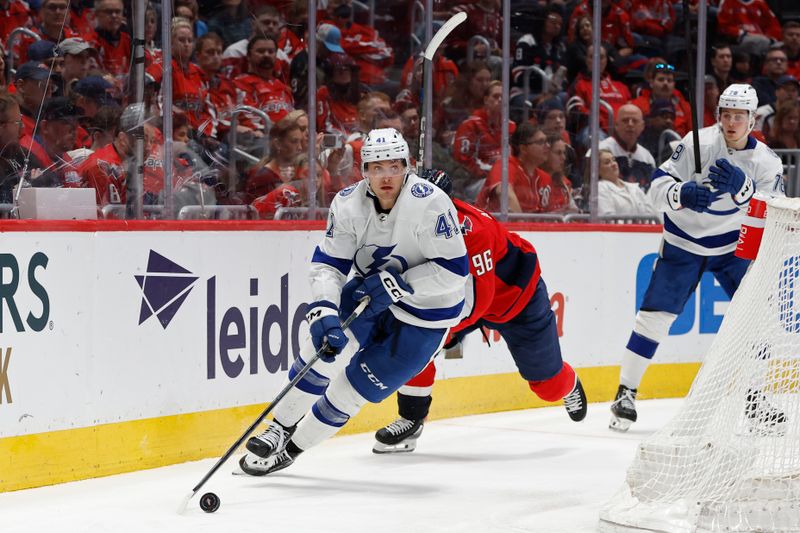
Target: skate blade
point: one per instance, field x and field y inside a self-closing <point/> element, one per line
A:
<point x="619" y="424"/>
<point x="402" y="447"/>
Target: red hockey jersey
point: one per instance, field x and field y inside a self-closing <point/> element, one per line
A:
<point x="752" y="16"/>
<point x="477" y="143"/>
<point x="504" y="267"/>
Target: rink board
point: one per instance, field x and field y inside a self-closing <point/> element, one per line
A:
<point x="136" y="345"/>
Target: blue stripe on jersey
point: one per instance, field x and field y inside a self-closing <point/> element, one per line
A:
<point x="516" y="268"/>
<point x="458" y="266"/>
<point x="434" y="314"/>
<point x="326" y="413"/>
<point x="751" y="143"/>
<point x="657" y="173"/>
<point x="313" y="382"/>
<point x="712" y="241"/>
<point x="642" y="346"/>
<point x="722" y="213"/>
<point x="342" y="265"/>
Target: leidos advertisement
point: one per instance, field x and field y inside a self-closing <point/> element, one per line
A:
<point x="113" y="326"/>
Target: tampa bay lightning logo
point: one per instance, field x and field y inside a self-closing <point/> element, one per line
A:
<point x="421" y="190"/>
<point x="371" y="258"/>
<point x="347" y="190"/>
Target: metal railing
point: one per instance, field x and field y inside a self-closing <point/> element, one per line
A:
<point x="220" y="212"/>
<point x="11" y="41"/>
<point x="791" y="169"/>
<point x="300" y="213"/>
<point x="526" y="84"/>
<point x="665" y="138"/>
<point x="119" y="211"/>
<point x="475" y="39"/>
<point x="233" y="138"/>
<point x="580" y="217"/>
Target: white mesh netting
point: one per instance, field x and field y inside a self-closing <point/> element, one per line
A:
<point x="730" y="459"/>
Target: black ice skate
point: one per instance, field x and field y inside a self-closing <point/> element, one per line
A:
<point x="272" y="440"/>
<point x="575" y="402"/>
<point x="623" y="410"/>
<point x="764" y="416"/>
<point x="399" y="436"/>
<point x="258" y="466"/>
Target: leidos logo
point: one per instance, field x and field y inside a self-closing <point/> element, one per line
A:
<point x="165" y="286"/>
<point x="241" y="340"/>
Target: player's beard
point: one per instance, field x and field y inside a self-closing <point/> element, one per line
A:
<point x="266" y="63"/>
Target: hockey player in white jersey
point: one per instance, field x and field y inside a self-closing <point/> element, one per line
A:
<point x="397" y="234"/>
<point x="702" y="216"/>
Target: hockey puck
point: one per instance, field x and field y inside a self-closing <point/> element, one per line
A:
<point x="209" y="502"/>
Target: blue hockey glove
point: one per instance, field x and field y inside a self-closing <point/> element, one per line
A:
<point x="326" y="329"/>
<point x="696" y="197"/>
<point x="384" y="289"/>
<point x="731" y="179"/>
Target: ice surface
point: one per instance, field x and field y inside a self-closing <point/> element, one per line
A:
<point x="520" y="471"/>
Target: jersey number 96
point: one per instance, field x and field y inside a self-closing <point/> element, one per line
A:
<point x="482" y="262"/>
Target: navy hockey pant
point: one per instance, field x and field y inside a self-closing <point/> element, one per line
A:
<point x="677" y="273"/>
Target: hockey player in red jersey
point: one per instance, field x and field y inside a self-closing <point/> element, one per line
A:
<point x="508" y="296"/>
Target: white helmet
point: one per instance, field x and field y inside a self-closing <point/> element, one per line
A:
<point x="740" y="96"/>
<point x="386" y="144"/>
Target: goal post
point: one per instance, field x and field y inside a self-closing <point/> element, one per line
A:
<point x="729" y="460"/>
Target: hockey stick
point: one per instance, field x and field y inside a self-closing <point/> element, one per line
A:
<point x="687" y="19"/>
<point x="427" y="62"/>
<point x="303" y="371"/>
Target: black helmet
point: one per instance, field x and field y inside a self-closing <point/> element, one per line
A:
<point x="440" y="178"/>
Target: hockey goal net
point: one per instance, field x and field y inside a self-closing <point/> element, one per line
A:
<point x="730" y="459"/>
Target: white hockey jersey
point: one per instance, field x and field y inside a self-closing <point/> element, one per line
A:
<point x="715" y="231"/>
<point x="419" y="237"/>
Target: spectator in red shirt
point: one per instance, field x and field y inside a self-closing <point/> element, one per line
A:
<point x="90" y="94"/>
<point x="260" y="88"/>
<point x="51" y="27"/>
<point x="616" y="26"/>
<point x="188" y="83"/>
<point x="266" y="21"/>
<point x="54" y="138"/>
<point x="721" y="59"/>
<point x="286" y="143"/>
<point x="750" y="23"/>
<point x="615" y="93"/>
<point x="34" y="88"/>
<point x="365" y="46"/>
<point x="220" y="90"/>
<point x="13" y="14"/>
<point x="294" y="193"/>
<point x="113" y="44"/>
<point x="528" y="184"/>
<point x="660" y="77"/>
<point x="484" y="17"/>
<point x="336" y="101"/>
<point x="653" y="18"/>
<point x="791" y="45"/>
<point x="464" y="96"/>
<point x="445" y="73"/>
<point x="559" y="193"/>
<point x="477" y="141"/>
<point x="81" y="18"/>
<point x="104" y="170"/>
<point x="151" y="52"/>
<point x="76" y="53"/>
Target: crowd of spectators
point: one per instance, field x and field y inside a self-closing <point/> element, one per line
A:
<point x="66" y="119"/>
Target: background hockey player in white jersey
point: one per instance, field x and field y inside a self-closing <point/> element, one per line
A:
<point x="702" y="216"/>
<point x="399" y="235"/>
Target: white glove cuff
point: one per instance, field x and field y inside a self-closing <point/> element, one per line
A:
<point x="746" y="192"/>
<point x="396" y="293"/>
<point x="674" y="196"/>
<point x="318" y="312"/>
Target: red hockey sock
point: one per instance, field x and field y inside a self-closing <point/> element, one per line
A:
<point x="555" y="388"/>
<point x="424" y="378"/>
